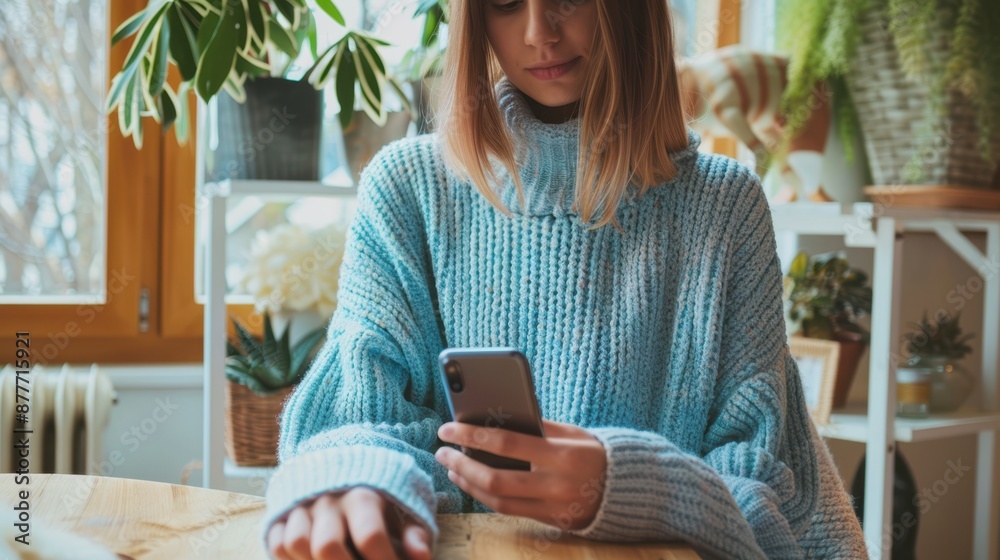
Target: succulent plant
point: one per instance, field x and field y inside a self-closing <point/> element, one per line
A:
<point x="824" y="296"/>
<point x="267" y="365"/>
<point x="942" y="338"/>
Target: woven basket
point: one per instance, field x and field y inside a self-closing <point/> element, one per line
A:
<point x="893" y="113"/>
<point x="252" y="425"/>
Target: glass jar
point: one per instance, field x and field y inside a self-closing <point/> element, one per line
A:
<point x="913" y="392"/>
<point x="951" y="383"/>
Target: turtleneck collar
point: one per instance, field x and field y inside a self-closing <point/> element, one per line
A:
<point x="547" y="156"/>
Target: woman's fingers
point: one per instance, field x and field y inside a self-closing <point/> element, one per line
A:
<point x="366" y="523"/>
<point x="416" y="542"/>
<point x="506" y="443"/>
<point x="275" y="540"/>
<point x="329" y="533"/>
<point x="298" y="530"/>
<point x="524" y="507"/>
<point x="506" y="482"/>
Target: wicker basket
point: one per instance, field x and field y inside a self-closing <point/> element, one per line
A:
<point x="893" y="113"/>
<point x="252" y="425"/>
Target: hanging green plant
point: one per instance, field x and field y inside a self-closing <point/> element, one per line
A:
<point x="822" y="36"/>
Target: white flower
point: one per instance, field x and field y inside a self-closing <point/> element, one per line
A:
<point x="293" y="268"/>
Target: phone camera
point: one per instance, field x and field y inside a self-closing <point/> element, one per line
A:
<point x="454" y="375"/>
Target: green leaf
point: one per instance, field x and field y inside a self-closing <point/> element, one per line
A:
<point x="312" y="35"/>
<point x="207" y="30"/>
<point x="370" y="52"/>
<point x="241" y="22"/>
<point x="167" y="107"/>
<point x="346" y="75"/>
<point x="129" y="26"/>
<point x="258" y="17"/>
<point x="283" y="39"/>
<point x="158" y="70"/>
<point x="183" y="43"/>
<point x="249" y="343"/>
<point x="289" y="10"/>
<point x="371" y="86"/>
<point x="269" y="343"/>
<point x="219" y="56"/>
<point x="126" y="113"/>
<point x="331" y="10"/>
<point x="118" y="85"/>
<point x="799" y="266"/>
<point x="232" y="349"/>
<point x="149" y="30"/>
<point x="431" y="26"/>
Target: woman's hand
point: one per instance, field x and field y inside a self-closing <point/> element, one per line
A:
<point x="357" y="523"/>
<point x="563" y="488"/>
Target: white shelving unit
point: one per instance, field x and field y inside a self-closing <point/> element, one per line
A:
<point x="216" y="467"/>
<point x="860" y="225"/>
<point x="883" y="228"/>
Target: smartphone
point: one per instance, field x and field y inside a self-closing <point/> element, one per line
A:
<point x="491" y="387"/>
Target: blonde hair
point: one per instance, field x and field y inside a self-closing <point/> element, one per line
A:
<point x="631" y="117"/>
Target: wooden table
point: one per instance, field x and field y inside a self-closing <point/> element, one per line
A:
<point x="153" y="521"/>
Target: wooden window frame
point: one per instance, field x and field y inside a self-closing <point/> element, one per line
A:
<point x="148" y="248"/>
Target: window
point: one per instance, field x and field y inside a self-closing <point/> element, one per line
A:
<point x="52" y="151"/>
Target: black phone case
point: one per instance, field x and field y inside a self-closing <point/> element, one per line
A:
<point x="498" y="392"/>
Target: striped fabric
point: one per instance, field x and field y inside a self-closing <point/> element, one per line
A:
<point x="665" y="340"/>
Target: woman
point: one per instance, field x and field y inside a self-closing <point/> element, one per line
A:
<point x="640" y="279"/>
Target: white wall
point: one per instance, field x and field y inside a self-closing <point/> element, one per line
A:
<point x="155" y="430"/>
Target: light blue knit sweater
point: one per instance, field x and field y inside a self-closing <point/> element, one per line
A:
<point x="667" y="342"/>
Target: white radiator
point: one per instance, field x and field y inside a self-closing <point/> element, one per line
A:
<point x="68" y="413"/>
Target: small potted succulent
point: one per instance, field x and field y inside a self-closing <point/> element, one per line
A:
<point x="938" y="346"/>
<point x="825" y="298"/>
<point x="260" y="374"/>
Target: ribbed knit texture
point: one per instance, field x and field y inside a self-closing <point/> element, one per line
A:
<point x="666" y="341"/>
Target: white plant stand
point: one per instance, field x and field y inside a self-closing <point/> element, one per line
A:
<point x="214" y="197"/>
<point x="883" y="229"/>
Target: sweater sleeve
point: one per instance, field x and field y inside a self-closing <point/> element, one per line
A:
<point x="835" y="532"/>
<point x="368" y="409"/>
<point x="753" y="485"/>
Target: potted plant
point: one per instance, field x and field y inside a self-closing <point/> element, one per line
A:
<point x="825" y="298"/>
<point x="919" y="75"/>
<point x="260" y="374"/>
<point x="244" y="48"/>
<point x="938" y="347"/>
